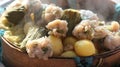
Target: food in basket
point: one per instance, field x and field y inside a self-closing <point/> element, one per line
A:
<point x="112" y="41"/>
<point x="72" y="16"/>
<point x="38" y="33"/>
<point x="52" y="12"/>
<point x="115" y="26"/>
<point x="68" y="43"/>
<point x="57" y="28"/>
<point x="84" y="48"/>
<point x="83" y="30"/>
<point x="27" y="26"/>
<point x="56" y="44"/>
<point x="47" y="30"/>
<point x="40" y="48"/>
<point x="15" y="34"/>
<point x="87" y="14"/>
<point x="69" y="54"/>
<point x="15" y="14"/>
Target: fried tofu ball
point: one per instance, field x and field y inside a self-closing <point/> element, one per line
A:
<point x="40" y="48"/>
<point x="112" y="41"/>
<point x="84" y="30"/>
<point x="100" y="32"/>
<point x="115" y="26"/>
<point x="52" y="12"/>
<point x="57" y="28"/>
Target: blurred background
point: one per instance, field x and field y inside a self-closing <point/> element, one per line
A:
<point x="104" y="8"/>
<point x="62" y="3"/>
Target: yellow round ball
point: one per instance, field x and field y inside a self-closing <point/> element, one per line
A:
<point x="84" y="48"/>
<point x="56" y="44"/>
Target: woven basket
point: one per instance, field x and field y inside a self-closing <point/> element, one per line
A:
<point x="13" y="57"/>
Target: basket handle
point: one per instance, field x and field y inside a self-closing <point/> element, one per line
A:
<point x="109" y="59"/>
<point x="108" y="53"/>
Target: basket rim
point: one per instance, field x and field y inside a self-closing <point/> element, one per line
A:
<point x="10" y="44"/>
<point x="101" y="55"/>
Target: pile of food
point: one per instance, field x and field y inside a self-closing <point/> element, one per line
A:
<point x="47" y="30"/>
